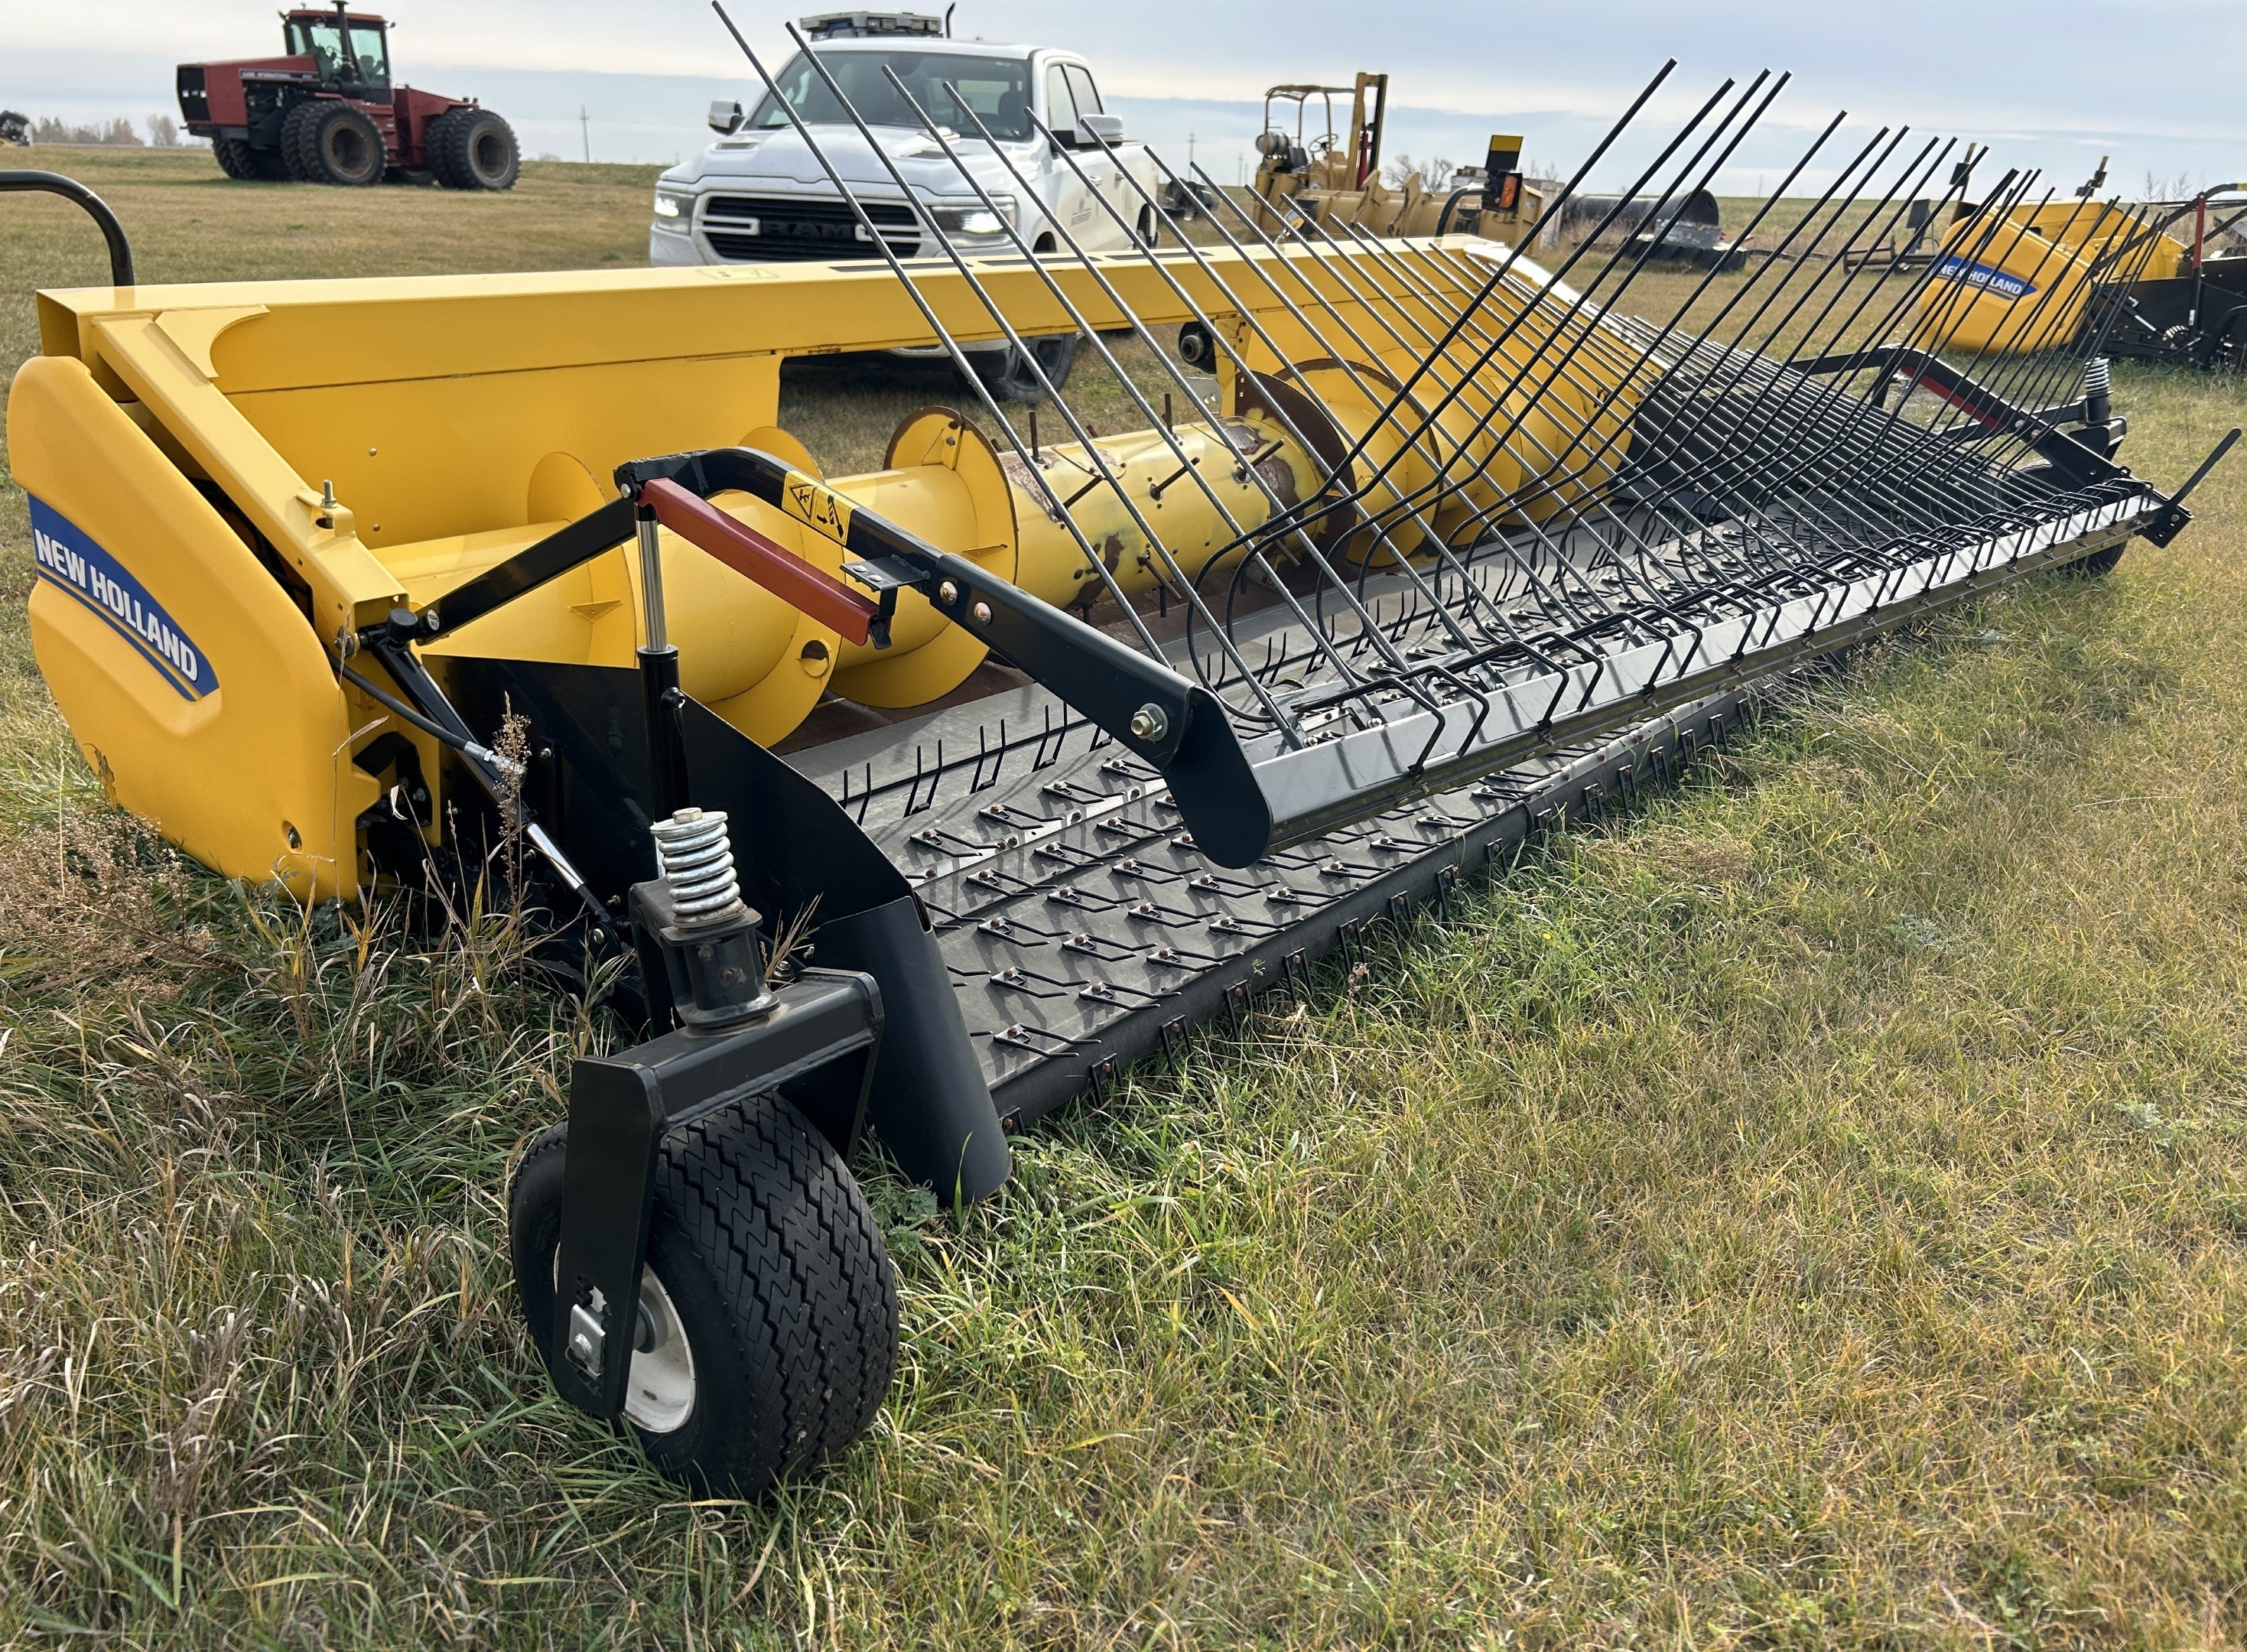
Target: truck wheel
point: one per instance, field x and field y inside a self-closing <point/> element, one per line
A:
<point x="473" y="149"/>
<point x="1145" y="235"/>
<point x="769" y="1324"/>
<point x="335" y="143"/>
<point x="1008" y="376"/>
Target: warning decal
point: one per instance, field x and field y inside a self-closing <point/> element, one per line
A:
<point x="807" y="501"/>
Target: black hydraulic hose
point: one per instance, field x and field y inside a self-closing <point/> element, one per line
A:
<point x="436" y="731"/>
<point x="53" y="183"/>
<point x="1450" y="206"/>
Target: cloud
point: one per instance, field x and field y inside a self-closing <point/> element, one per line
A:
<point x="2078" y="80"/>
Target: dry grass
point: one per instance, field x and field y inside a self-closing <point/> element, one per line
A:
<point x="1807" y="1213"/>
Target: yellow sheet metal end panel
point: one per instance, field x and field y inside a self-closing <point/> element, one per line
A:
<point x="189" y="678"/>
<point x="2003" y="295"/>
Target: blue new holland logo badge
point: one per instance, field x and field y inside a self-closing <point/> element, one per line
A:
<point x="75" y="565"/>
<point x="1989" y="280"/>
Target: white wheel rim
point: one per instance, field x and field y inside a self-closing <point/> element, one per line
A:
<point x="660" y="1392"/>
<point x="659" y="1389"/>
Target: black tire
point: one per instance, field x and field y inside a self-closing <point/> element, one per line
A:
<point x="234" y="157"/>
<point x="334" y="143"/>
<point x="1145" y="235"/>
<point x="1195" y="348"/>
<point x="2097" y="564"/>
<point x="1009" y="378"/>
<point x="237" y="159"/>
<point x="770" y="1262"/>
<point x="295" y="148"/>
<point x="473" y="149"/>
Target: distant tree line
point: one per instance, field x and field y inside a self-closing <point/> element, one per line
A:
<point x="163" y="130"/>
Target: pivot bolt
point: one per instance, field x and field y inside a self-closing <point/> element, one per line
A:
<point x="947" y="593"/>
<point x="982" y="613"/>
<point x="1150" y="723"/>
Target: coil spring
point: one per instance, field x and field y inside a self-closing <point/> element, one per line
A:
<point x="2098" y="377"/>
<point x="696" y="859"/>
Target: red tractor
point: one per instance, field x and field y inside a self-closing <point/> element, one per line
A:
<point x="326" y="112"/>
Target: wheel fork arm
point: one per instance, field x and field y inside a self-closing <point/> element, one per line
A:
<point x="817" y="1045"/>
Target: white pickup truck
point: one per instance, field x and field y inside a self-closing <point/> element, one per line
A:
<point x="759" y="193"/>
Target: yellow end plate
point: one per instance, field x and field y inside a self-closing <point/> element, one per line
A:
<point x="803" y="498"/>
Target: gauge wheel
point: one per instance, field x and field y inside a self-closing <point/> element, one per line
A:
<point x="768" y="1329"/>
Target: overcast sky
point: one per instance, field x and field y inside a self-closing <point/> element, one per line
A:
<point x="2156" y="83"/>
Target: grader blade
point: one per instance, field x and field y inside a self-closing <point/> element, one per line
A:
<point x="1061" y="734"/>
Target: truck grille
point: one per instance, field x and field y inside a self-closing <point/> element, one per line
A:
<point x="792" y="228"/>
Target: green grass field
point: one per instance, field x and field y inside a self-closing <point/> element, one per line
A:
<point x="1806" y="1210"/>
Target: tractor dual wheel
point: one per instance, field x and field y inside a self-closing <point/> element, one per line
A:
<point x="473" y="149"/>
<point x="238" y="159"/>
<point x="768" y="1308"/>
<point x="324" y="142"/>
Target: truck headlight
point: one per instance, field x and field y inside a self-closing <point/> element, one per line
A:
<point x="673" y="206"/>
<point x="976" y="221"/>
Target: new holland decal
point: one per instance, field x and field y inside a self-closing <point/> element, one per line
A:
<point x="1989" y="280"/>
<point x="70" y="562"/>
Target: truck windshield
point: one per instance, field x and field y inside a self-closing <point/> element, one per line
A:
<point x="997" y="89"/>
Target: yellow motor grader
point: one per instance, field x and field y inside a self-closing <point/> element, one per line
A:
<point x="1332" y="177"/>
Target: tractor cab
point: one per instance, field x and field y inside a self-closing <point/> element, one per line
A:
<point x="349" y="50"/>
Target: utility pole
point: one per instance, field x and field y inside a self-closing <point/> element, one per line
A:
<point x="1190" y="144"/>
<point x="586" y="129"/>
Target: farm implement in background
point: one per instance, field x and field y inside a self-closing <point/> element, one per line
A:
<point x="2157" y="281"/>
<point x="326" y="111"/>
<point x="1061" y="741"/>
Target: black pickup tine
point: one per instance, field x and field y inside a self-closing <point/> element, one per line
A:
<point x="1515" y="505"/>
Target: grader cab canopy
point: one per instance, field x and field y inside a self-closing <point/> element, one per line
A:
<point x="1332" y="175"/>
<point x="1064" y="739"/>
